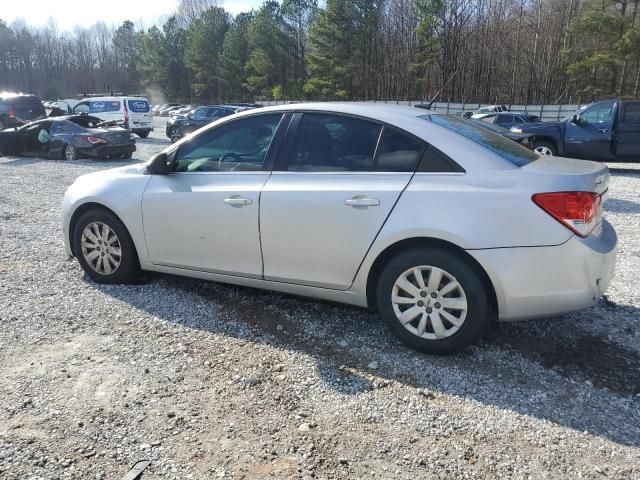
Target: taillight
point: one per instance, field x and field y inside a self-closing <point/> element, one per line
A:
<point x="578" y="211"/>
<point x="94" y="140"/>
<point x="12" y="113"/>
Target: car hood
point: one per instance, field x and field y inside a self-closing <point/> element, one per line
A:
<point x="111" y="173"/>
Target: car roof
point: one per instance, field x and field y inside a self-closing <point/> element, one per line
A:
<point x="406" y="118"/>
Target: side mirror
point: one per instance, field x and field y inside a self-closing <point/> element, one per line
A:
<point x="159" y="165"/>
<point x="577" y="119"/>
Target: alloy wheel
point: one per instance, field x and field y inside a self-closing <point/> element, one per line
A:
<point x="101" y="248"/>
<point x="70" y="152"/>
<point x="429" y="302"/>
<point x="175" y="135"/>
<point x="543" y="150"/>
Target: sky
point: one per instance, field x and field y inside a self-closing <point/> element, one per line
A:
<point x="69" y="13"/>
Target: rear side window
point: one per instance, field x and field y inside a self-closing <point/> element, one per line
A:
<point x="104" y="106"/>
<point x="334" y="143"/>
<point x="631" y="113"/>
<point x="398" y="152"/>
<point x="509" y="150"/>
<point x="138" y="106"/>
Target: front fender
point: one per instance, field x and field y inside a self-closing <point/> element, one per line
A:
<point x="123" y="197"/>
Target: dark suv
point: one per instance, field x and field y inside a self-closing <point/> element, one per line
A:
<point x="19" y="108"/>
<point x="180" y="125"/>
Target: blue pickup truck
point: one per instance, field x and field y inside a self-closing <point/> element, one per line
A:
<point x="608" y="130"/>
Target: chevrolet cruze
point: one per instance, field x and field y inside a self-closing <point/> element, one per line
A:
<point x="436" y="223"/>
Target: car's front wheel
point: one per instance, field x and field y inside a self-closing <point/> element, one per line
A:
<point x="544" y="148"/>
<point x="143" y="133"/>
<point x="104" y="248"/>
<point x="432" y="300"/>
<point x="175" y="134"/>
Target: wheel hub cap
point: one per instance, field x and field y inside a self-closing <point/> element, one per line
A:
<point x="101" y="248"/>
<point x="429" y="302"/>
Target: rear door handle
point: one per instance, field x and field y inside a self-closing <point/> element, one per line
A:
<point x="362" y="201"/>
<point x="237" y="200"/>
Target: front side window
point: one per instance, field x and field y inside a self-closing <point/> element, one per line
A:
<point x="240" y="145"/>
<point x="334" y="143"/>
<point x="509" y="150"/>
<point x="200" y="113"/>
<point x="600" y="114"/>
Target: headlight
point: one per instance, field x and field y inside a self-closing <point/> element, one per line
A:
<point x="516" y="129"/>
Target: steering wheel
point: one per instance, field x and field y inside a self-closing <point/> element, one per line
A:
<point x="225" y="158"/>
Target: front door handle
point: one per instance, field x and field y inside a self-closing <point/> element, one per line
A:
<point x="362" y="201"/>
<point x="237" y="201"/>
<point x="603" y="130"/>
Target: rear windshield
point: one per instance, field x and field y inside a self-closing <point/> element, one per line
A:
<point x="138" y="106"/>
<point x="509" y="150"/>
<point x="104" y="106"/>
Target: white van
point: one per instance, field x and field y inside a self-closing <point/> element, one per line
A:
<point x="133" y="112"/>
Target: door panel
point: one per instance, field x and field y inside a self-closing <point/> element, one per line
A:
<point x="591" y="139"/>
<point x="189" y="221"/>
<point x="311" y="235"/>
<point x="205" y="216"/>
<point x="628" y="135"/>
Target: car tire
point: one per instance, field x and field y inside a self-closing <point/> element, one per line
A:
<point x="143" y="133"/>
<point x="69" y="153"/>
<point x="175" y="134"/>
<point x="444" y="319"/>
<point x="116" y="260"/>
<point x="2" y="125"/>
<point x="544" y="148"/>
<point x="126" y="155"/>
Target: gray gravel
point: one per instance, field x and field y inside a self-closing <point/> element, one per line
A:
<point x="213" y="381"/>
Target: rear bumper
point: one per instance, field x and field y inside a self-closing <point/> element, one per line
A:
<point x="102" y="151"/>
<point x="535" y="282"/>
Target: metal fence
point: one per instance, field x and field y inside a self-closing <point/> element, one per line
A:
<point x="546" y="113"/>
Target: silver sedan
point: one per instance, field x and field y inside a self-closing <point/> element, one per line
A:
<point x="436" y="223"/>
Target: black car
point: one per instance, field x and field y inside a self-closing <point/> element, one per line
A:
<point x="18" y="109"/>
<point x="180" y="126"/>
<point x="509" y="119"/>
<point x="524" y="139"/>
<point x="68" y="138"/>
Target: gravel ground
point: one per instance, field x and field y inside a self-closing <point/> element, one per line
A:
<point x="213" y="381"/>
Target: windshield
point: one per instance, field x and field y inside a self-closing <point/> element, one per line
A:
<point x="490" y="126"/>
<point x="509" y="150"/>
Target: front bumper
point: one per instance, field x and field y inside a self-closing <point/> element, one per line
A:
<point x="535" y="282"/>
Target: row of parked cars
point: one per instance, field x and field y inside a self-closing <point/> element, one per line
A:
<point x="97" y="127"/>
<point x="187" y="119"/>
<point x="604" y="130"/>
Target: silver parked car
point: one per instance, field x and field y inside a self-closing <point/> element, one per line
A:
<point x="438" y="224"/>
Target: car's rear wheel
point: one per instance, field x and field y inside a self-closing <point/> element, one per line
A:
<point x="544" y="148"/>
<point x="432" y="300"/>
<point x="104" y="248"/>
<point x="126" y="155"/>
<point x="143" y="133"/>
<point x="70" y="152"/>
<point x="175" y="134"/>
